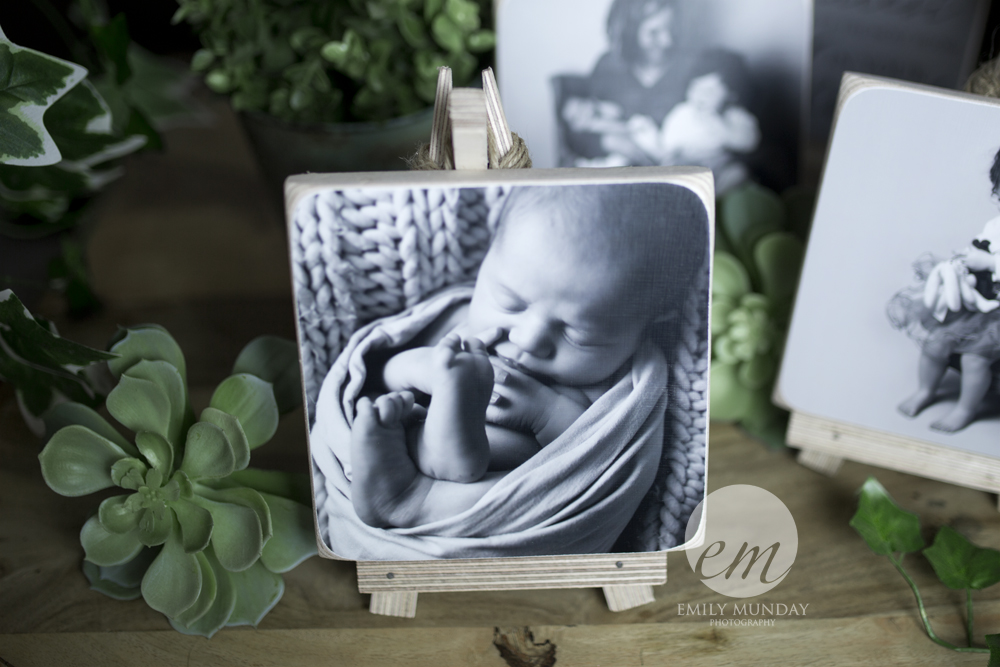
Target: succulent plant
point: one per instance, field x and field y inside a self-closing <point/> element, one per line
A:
<point x="758" y="256"/>
<point x="309" y="61"/>
<point x="199" y="535"/>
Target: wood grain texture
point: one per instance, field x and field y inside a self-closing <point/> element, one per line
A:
<point x="467" y="112"/>
<point x="621" y="598"/>
<point x="832" y="439"/>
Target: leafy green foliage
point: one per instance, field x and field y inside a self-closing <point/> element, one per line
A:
<point x="304" y="61"/>
<point x="30" y="83"/>
<point x="39" y="363"/>
<point x="192" y="536"/>
<point x="959" y="563"/>
<point x="892" y="532"/>
<point x="759" y="248"/>
<point x="885" y="527"/>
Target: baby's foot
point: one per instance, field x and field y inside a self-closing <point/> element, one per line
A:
<point x="382" y="468"/>
<point x="955" y="420"/>
<point x="915" y="404"/>
<point x="453" y="445"/>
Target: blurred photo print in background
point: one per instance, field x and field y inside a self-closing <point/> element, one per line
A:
<point x="607" y="83"/>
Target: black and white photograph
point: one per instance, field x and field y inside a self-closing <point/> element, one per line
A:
<point x="896" y="325"/>
<point x="721" y="84"/>
<point x="503" y="365"/>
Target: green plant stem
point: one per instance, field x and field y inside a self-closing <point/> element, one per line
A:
<point x="898" y="564"/>
<point x="968" y="614"/>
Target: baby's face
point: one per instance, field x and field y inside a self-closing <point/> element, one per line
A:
<point x="563" y="318"/>
<point x="708" y="92"/>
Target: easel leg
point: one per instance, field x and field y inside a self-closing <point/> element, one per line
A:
<point x="825" y="464"/>
<point x="621" y="598"/>
<point x="395" y="603"/>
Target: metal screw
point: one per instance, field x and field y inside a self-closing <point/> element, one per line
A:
<point x="619" y="565"/>
<point x="390" y="575"/>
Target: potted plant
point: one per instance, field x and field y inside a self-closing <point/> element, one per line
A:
<point x="335" y="86"/>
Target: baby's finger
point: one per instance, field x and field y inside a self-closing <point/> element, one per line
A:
<point x="490" y="336"/>
<point x="476" y="346"/>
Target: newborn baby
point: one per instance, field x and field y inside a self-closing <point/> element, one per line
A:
<point x="562" y="301"/>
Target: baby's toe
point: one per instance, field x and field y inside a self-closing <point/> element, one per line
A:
<point x="391" y="407"/>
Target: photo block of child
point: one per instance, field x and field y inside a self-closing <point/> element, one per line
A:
<point x="526" y="413"/>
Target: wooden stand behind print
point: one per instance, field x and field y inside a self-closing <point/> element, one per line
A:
<point x="825" y="441"/>
<point x="626" y="578"/>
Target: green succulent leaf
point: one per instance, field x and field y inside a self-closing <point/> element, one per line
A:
<point x="294" y="537"/>
<point x="206" y="598"/>
<point x="167" y="378"/>
<point x="77" y="461"/>
<point x="207" y="452"/>
<point x="747" y="214"/>
<point x="155" y="525"/>
<point x="196" y="525"/>
<point x="30" y="82"/>
<point x="110" y="588"/>
<point x="729" y="278"/>
<point x="150" y="342"/>
<point x="222" y="608"/>
<point x="758" y="373"/>
<point x="275" y="482"/>
<point x="481" y="41"/>
<point x="729" y="399"/>
<point x="463" y="13"/>
<point x="885" y="527"/>
<point x="156" y="450"/>
<point x="173" y="581"/>
<point x="129" y="575"/>
<point x="778" y="258"/>
<point x="233" y="431"/>
<point x="447" y="33"/>
<point x="247" y="498"/>
<point x="129" y="473"/>
<point x="251" y="400"/>
<point x="959" y="563"/>
<point x="140" y="405"/>
<point x="70" y="413"/>
<point x="117" y="516"/>
<point x="236" y="534"/>
<point x="103" y="547"/>
<point x="275" y="360"/>
<point x="257" y="591"/>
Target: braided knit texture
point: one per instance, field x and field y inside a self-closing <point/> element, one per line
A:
<point x="358" y="255"/>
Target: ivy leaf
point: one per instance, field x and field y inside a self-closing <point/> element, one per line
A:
<point x="39" y="344"/>
<point x="959" y="563"/>
<point x="30" y="82"/>
<point x="884" y="526"/>
<point x="275" y="360"/>
<point x="993" y="642"/>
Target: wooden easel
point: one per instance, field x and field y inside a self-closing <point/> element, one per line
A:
<point x="627" y="578"/>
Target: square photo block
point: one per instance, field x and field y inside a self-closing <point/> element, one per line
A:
<point x="721" y="84"/>
<point x="503" y="363"/>
<point x="896" y="326"/>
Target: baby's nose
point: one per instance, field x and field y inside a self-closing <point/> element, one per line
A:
<point x="532" y="337"/>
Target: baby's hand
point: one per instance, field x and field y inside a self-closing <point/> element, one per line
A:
<point x="978" y="260"/>
<point x="519" y="401"/>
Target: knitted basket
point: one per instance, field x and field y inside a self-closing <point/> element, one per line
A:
<point x="358" y="255"/>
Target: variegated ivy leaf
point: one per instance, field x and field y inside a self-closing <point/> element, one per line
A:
<point x="30" y="82"/>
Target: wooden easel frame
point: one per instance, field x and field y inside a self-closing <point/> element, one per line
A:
<point x="825" y="443"/>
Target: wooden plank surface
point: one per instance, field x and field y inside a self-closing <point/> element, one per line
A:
<point x="859" y="611"/>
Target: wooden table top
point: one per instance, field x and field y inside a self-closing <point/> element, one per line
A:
<point x="191" y="240"/>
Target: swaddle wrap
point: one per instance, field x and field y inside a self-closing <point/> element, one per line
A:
<point x="575" y="495"/>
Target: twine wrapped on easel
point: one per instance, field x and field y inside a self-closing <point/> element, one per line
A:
<point x="985" y="80"/>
